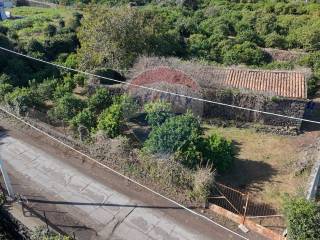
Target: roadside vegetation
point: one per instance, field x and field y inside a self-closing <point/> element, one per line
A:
<point x="106" y="38"/>
<point x="303" y="219"/>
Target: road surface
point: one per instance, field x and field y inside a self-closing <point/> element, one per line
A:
<point x="79" y="203"/>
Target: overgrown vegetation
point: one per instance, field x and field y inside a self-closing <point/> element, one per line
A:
<point x="108" y="36"/>
<point x="303" y="219"/>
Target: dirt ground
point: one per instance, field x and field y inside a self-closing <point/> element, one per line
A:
<point x="265" y="163"/>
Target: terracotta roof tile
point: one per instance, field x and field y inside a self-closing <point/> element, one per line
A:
<point x="285" y="84"/>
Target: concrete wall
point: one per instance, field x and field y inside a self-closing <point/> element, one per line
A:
<point x="314" y="181"/>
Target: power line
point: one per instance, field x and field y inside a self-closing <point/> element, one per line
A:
<point x="159" y="90"/>
<point x="120" y="174"/>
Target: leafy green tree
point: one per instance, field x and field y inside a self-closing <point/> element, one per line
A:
<point x="303" y="219"/>
<point x="247" y="53"/>
<point x="111" y="37"/>
<point x="100" y="100"/>
<point x="265" y="24"/>
<point x="158" y="112"/>
<point x="67" y="107"/>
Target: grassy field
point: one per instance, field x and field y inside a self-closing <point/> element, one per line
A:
<point x="265" y="163"/>
<point x="30" y="22"/>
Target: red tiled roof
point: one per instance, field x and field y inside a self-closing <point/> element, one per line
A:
<point x="285" y="84"/>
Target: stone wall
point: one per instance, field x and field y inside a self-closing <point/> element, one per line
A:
<point x="282" y="106"/>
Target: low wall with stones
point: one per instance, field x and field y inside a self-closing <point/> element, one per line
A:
<point x="282" y="106"/>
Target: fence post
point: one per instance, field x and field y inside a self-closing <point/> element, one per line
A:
<point x="245" y="209"/>
<point x="46" y="220"/>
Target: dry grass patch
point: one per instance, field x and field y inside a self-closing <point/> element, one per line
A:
<point x="265" y="163"/>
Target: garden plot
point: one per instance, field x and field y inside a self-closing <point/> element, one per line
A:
<point x="265" y="164"/>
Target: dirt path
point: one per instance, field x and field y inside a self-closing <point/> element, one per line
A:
<point x="92" y="202"/>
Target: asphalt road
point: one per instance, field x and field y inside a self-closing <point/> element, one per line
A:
<point x="92" y="209"/>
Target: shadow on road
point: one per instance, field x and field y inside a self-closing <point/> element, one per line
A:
<point x="100" y="204"/>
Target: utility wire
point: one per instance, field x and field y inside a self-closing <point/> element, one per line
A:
<point x="120" y="174"/>
<point x="159" y="90"/>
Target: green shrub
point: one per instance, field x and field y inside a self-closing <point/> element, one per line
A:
<point x="158" y="112"/>
<point x="84" y="118"/>
<point x="34" y="46"/>
<point x="5" y="78"/>
<point x="303" y="219"/>
<point x="21" y="99"/>
<point x="111" y="120"/>
<point x="100" y="100"/>
<point x="217" y="152"/>
<point x="107" y="73"/>
<point x="60" y="43"/>
<point x="71" y="61"/>
<point x="80" y="79"/>
<point x="66" y="87"/>
<point x="67" y="107"/>
<point x="312" y="86"/>
<point x="51" y="30"/>
<point x="5" y="88"/>
<point x="173" y="134"/>
<point x="46" y="89"/>
<point x="274" y="40"/>
<point x="4" y="30"/>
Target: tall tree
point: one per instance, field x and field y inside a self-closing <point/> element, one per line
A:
<point x="111" y="37"/>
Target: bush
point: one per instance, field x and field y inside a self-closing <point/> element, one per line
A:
<point x="158" y="112"/>
<point x="84" y="118"/>
<point x="51" y="30"/>
<point x="21" y="99"/>
<point x="203" y="183"/>
<point x="303" y="219"/>
<point x="5" y="88"/>
<point x="34" y="46"/>
<point x="107" y="73"/>
<point x="61" y="43"/>
<point x="4" y="30"/>
<point x="275" y="40"/>
<point x="64" y="88"/>
<point x="67" y="107"/>
<point x="173" y="134"/>
<point x="111" y="120"/>
<point x="312" y="86"/>
<point x="5" y="78"/>
<point x="46" y="89"/>
<point x="217" y="152"/>
<point x="165" y="171"/>
<point x="100" y="100"/>
<point x="71" y="61"/>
